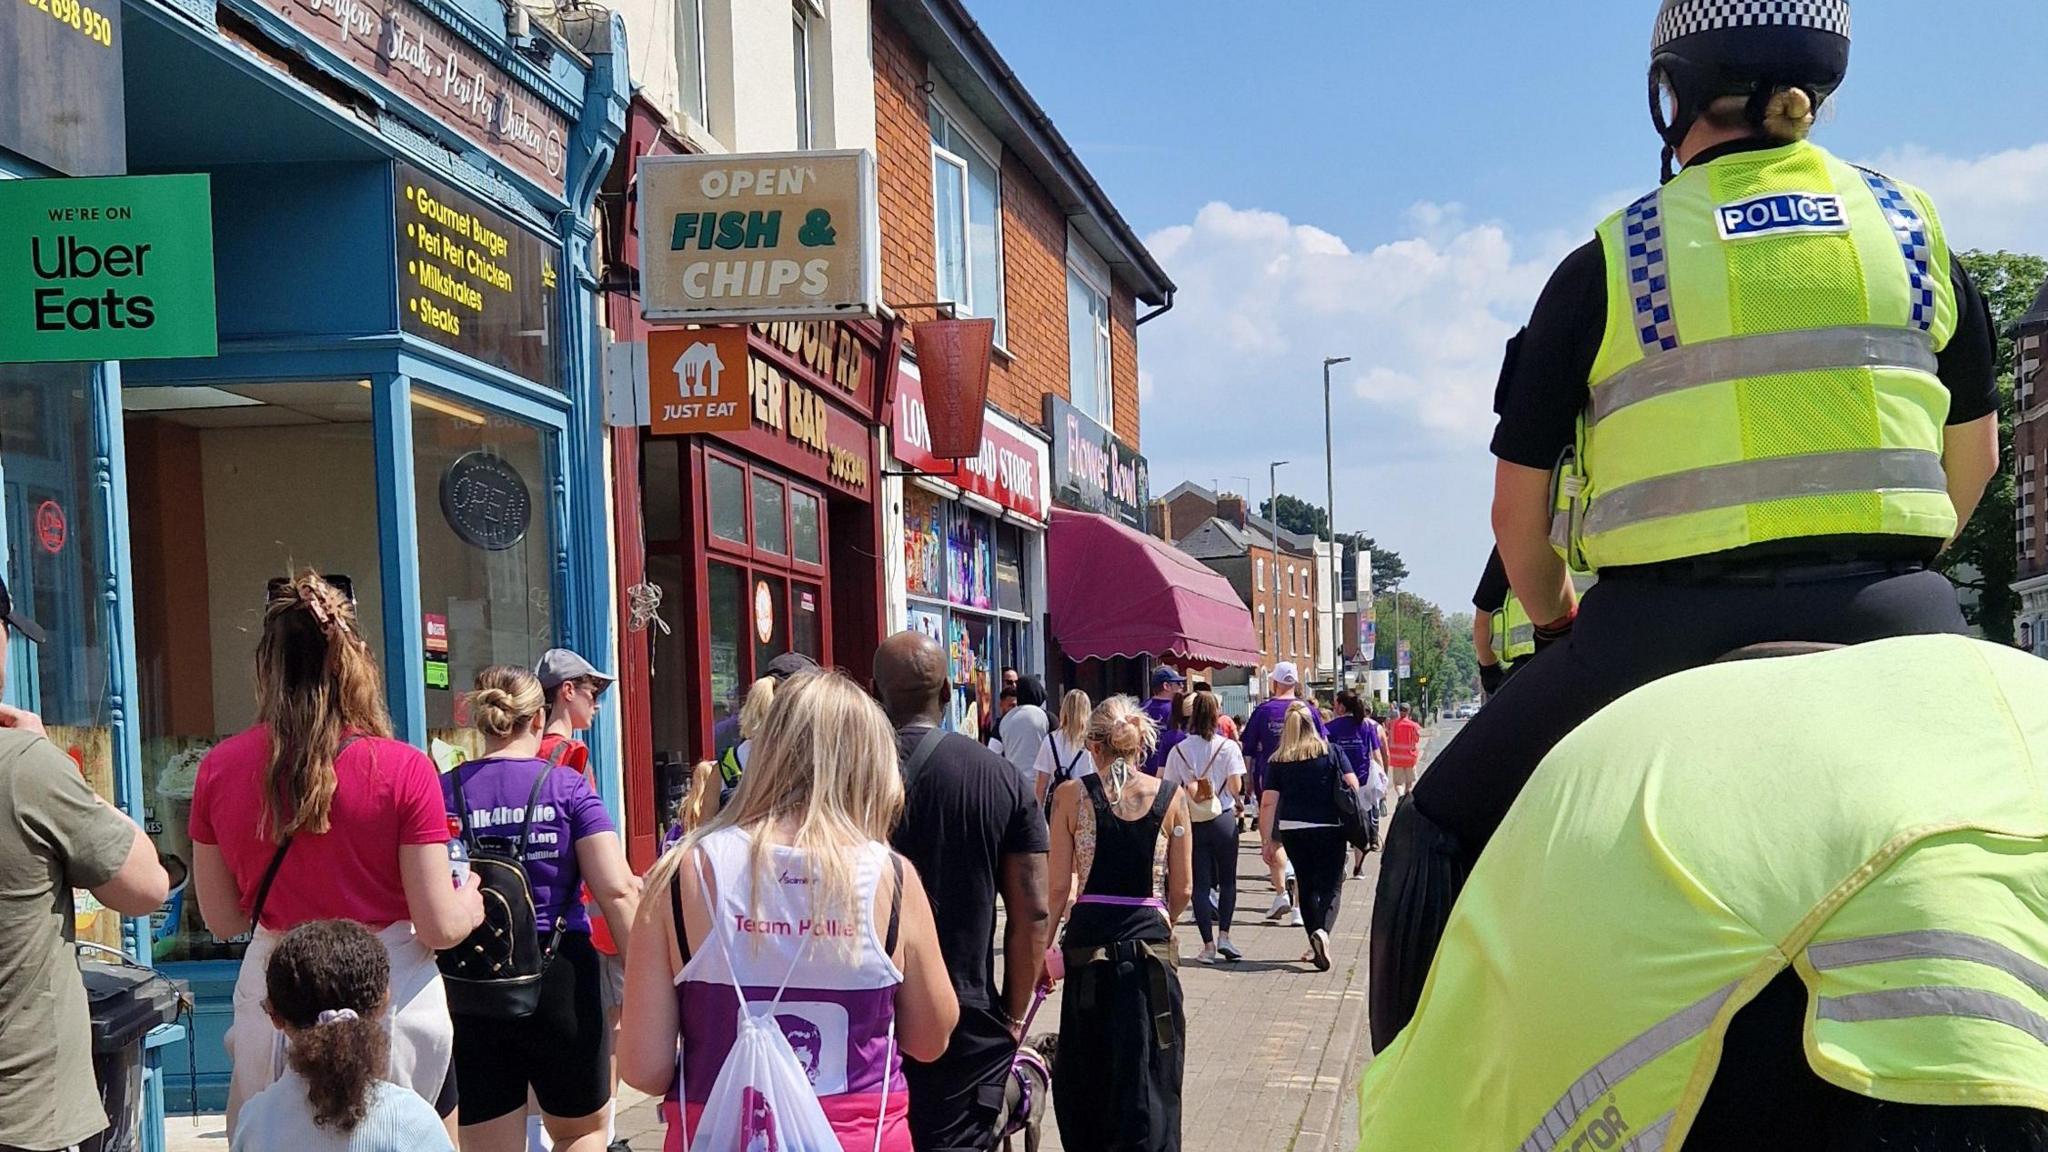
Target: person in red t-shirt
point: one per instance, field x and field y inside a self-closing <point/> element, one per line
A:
<point x="1404" y="751"/>
<point x="315" y="813"/>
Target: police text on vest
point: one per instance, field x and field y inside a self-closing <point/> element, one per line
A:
<point x="1782" y="213"/>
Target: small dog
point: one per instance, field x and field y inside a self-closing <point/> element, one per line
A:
<point x="1027" y="1095"/>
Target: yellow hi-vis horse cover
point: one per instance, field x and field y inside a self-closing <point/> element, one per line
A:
<point x="1876" y="817"/>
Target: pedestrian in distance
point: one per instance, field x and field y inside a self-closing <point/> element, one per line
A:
<point x="1262" y="737"/>
<point x="804" y="842"/>
<point x="1169" y="689"/>
<point x="1353" y="734"/>
<point x="726" y="732"/>
<point x="732" y="763"/>
<point x="1209" y="766"/>
<point x="56" y="835"/>
<point x="561" y="1051"/>
<point x="1064" y="755"/>
<point x="327" y="988"/>
<point x="1767" y="393"/>
<point x="973" y="832"/>
<point x="1298" y="812"/>
<point x="1024" y="727"/>
<point x="1123" y="1028"/>
<point x="316" y="813"/>
<point x="1404" y="751"/>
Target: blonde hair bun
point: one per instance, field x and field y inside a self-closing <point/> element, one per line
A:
<point x="506" y="699"/>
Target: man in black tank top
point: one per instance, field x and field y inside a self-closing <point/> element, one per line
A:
<point x="970" y="828"/>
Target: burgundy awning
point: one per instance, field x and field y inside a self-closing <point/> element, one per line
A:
<point x="1115" y="591"/>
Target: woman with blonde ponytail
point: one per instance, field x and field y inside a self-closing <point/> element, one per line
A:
<point x="315" y="813"/>
<point x="793" y="886"/>
<point x="1110" y="832"/>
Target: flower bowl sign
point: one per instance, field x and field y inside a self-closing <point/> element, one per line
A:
<point x="766" y="236"/>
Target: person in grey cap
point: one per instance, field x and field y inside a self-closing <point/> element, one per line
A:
<point x="574" y="687"/>
<point x="725" y="735"/>
<point x="56" y="835"/>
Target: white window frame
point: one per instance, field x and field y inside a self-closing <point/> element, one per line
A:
<point x="1259" y="566"/>
<point x="1093" y="272"/>
<point x="698" y="49"/>
<point x="988" y="151"/>
<point x="804" y="75"/>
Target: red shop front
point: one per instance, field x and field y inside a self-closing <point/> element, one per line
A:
<point x="762" y="541"/>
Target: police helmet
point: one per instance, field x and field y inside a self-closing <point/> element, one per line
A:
<point x="1705" y="50"/>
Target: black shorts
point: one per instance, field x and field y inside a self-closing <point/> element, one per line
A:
<point x="562" y="1051"/>
<point x="956" y="1101"/>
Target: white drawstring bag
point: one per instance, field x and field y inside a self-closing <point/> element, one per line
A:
<point x="763" y="1100"/>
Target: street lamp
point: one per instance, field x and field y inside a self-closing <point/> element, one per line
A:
<point x="1330" y="507"/>
<point x="1273" y="519"/>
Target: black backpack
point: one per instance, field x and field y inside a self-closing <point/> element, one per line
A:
<point x="496" y="971"/>
<point x="1352" y="816"/>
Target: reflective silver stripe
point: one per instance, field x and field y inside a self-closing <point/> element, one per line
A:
<point x="1741" y="357"/>
<point x="1760" y="481"/>
<point x="1522" y="636"/>
<point x="1593" y="1087"/>
<point x="1933" y="944"/>
<point x="1917" y="1003"/>
<point x="1652" y="1139"/>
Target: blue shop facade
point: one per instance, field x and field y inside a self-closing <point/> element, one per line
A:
<point x="406" y="391"/>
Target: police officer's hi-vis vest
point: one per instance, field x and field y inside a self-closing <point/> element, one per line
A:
<point x="1768" y="371"/>
<point x="1514" y="634"/>
<point x="1884" y="832"/>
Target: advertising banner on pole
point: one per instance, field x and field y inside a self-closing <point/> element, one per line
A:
<point x="1404" y="660"/>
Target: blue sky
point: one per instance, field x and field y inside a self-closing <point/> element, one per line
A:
<point x="1395" y="181"/>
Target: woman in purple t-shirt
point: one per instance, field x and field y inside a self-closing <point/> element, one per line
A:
<point x="561" y="1052"/>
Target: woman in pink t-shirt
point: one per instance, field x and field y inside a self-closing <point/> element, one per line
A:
<point x="315" y="813"/>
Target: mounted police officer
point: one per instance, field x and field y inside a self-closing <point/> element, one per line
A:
<point x="1759" y="404"/>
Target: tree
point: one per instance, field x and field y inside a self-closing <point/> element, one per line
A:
<point x="1985" y="558"/>
<point x="1300" y="516"/>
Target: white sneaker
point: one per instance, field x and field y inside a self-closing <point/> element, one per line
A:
<point x="1207" y="955"/>
<point x="1294" y="917"/>
<point x="1281" y="906"/>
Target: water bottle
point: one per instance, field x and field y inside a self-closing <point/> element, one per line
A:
<point x="458" y="853"/>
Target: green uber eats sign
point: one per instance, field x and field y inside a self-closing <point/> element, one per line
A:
<point x="107" y="268"/>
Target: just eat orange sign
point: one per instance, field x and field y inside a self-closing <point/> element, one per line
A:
<point x="697" y="380"/>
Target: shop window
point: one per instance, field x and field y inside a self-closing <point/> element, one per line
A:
<point x="1088" y="324"/>
<point x="924" y="542"/>
<point x="728" y="601"/>
<point x="728" y="494"/>
<point x="1010" y="570"/>
<point x="670" y="708"/>
<point x="970" y="578"/>
<point x="228" y="488"/>
<point x="771" y="531"/>
<point x="770" y="604"/>
<point x="806" y="540"/>
<point x="806" y="624"/>
<point x="967" y="201"/>
<point x="973" y="670"/>
<point x="53" y="538"/>
<point x="486" y="566"/>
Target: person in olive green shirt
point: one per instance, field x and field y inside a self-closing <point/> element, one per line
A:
<point x="56" y="834"/>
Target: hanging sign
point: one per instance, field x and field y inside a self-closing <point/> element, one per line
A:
<point x="697" y="381"/>
<point x="486" y="502"/>
<point x="1010" y="469"/>
<point x="474" y="281"/>
<point x="1403" y="659"/>
<point x="760" y="236"/>
<point x="61" y="85"/>
<point x="108" y="268"/>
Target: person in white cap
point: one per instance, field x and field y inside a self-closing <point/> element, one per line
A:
<point x="1261" y="739"/>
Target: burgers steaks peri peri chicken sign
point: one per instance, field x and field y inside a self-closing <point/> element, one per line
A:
<point x="412" y="53"/>
<point x="766" y="236"/>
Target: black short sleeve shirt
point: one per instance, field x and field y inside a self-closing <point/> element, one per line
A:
<point x="1492" y="593"/>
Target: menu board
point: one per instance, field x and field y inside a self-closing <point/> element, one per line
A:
<point x="473" y="281"/>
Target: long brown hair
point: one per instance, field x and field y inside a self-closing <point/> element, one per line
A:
<point x="1203" y="711"/>
<point x="316" y="683"/>
<point x="328" y="981"/>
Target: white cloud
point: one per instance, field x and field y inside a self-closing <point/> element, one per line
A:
<point x="1995" y="200"/>
<point x="1235" y="370"/>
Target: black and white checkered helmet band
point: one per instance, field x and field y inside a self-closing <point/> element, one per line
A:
<point x="1681" y="18"/>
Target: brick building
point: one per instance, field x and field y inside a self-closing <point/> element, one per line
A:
<point x="2030" y="460"/>
<point x="985" y="207"/>
<point x="1273" y="571"/>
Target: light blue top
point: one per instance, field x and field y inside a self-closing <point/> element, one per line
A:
<point x="281" y="1117"/>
